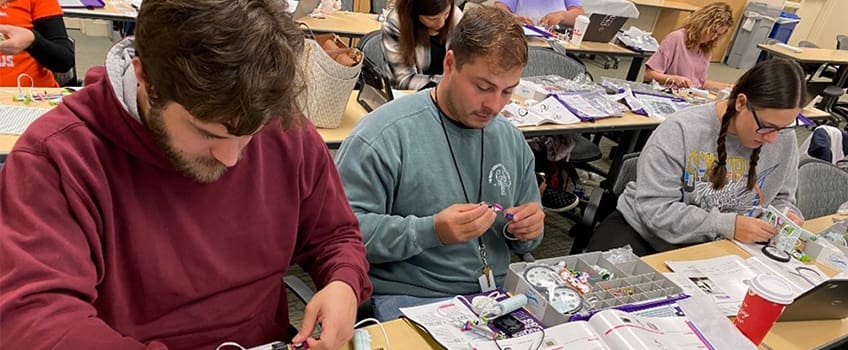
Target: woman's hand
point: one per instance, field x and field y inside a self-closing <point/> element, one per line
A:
<point x="16" y="39"/>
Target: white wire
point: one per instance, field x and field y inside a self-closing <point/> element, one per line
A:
<point x="20" y="88"/>
<point x="507" y="235"/>
<point x="385" y="334"/>
<point x="230" y="343"/>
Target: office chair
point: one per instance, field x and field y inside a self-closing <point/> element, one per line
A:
<point x="602" y="203"/>
<point x="371" y="46"/>
<point x="817" y="180"/>
<point x="837" y="109"/>
<point x="810" y="68"/>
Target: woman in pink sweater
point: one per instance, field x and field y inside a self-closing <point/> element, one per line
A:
<point x="683" y="57"/>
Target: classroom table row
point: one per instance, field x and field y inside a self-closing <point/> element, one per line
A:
<point x="357" y="24"/>
<point x="815" y="55"/>
<point x="802" y="335"/>
<point x="631" y="127"/>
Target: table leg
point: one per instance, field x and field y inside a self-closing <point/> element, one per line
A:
<point x="628" y="144"/>
<point x="635" y="67"/>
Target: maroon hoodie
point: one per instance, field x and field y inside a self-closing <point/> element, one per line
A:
<point x="106" y="246"/>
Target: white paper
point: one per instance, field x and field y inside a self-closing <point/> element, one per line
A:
<point x="549" y="113"/>
<point x="787" y="272"/>
<point x="621" y="330"/>
<point x="573" y="335"/>
<point x="713" y="324"/>
<point x="443" y="321"/>
<point x="724" y="278"/>
<point x="551" y="109"/>
<point x="699" y="285"/>
<point x="608" y="329"/>
<point x="579" y="103"/>
<point x="658" y="107"/>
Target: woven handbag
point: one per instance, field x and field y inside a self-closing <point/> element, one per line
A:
<point x="328" y="85"/>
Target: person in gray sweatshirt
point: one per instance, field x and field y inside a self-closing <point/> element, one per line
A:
<point x="422" y="171"/>
<point x="707" y="169"/>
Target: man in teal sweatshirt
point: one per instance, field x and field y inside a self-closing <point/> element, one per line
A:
<point x="426" y="173"/>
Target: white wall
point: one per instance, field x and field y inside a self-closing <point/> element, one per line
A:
<point x="821" y="21"/>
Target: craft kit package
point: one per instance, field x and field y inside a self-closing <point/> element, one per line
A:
<point x="571" y="287"/>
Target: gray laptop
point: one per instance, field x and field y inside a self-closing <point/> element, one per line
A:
<point x="827" y="301"/>
<point x="304" y="7"/>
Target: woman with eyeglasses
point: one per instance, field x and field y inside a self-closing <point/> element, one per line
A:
<point x="706" y="169"/>
<point x="683" y="58"/>
<point x="415" y="41"/>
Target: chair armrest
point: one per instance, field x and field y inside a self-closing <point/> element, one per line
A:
<point x="592" y="206"/>
<point x="299" y="288"/>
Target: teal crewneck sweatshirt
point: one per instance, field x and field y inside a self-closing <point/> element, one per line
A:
<point x="398" y="173"/>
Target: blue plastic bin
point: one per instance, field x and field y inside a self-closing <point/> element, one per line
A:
<point x="782" y="30"/>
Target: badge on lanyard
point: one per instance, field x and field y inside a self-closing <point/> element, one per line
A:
<point x="487" y="280"/>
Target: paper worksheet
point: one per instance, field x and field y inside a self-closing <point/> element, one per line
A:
<point x="723" y="278"/>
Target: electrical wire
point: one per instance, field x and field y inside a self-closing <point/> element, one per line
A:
<point x="383" y="329"/>
<point x="539" y="346"/>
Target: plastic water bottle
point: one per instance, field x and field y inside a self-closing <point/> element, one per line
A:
<point x="581" y="23"/>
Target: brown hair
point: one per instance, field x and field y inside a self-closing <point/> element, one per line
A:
<point x="225" y="61"/>
<point x="492" y="33"/>
<point x="706" y="21"/>
<point x="413" y="32"/>
<point x="776" y="83"/>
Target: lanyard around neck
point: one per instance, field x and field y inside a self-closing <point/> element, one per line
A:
<point x="442" y="116"/>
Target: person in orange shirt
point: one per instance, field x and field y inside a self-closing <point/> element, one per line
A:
<point x="34" y="42"/>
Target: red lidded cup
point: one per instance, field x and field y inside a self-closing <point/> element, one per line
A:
<point x="767" y="296"/>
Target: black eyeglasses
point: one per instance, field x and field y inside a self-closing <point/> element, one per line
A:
<point x="762" y="130"/>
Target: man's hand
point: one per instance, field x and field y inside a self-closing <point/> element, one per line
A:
<point x="334" y="307"/>
<point x="750" y="230"/>
<point x="528" y="220"/>
<point x="795" y="218"/>
<point x="462" y="222"/>
<point x="16" y="39"/>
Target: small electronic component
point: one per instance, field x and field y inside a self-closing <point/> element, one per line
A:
<point x="509" y="324"/>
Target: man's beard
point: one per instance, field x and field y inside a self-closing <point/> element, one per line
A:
<point x="201" y="169"/>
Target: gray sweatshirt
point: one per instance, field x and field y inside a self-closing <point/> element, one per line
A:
<point x="672" y="203"/>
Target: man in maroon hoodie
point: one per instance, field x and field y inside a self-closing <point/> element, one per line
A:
<point x="159" y="207"/>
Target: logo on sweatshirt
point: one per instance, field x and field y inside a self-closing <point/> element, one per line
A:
<point x="499" y="177"/>
<point x="734" y="196"/>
